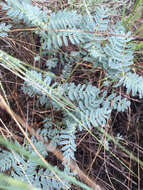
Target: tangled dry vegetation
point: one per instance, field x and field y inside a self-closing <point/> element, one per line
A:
<point x="114" y="169"/>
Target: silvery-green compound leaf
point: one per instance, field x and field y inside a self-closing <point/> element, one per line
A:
<point x="119" y="50"/>
<point x="6" y="160"/>
<point x="134" y="84"/>
<point x="68" y="141"/>
<point x="92" y="107"/>
<point x="52" y="63"/>
<point x="4" y="29"/>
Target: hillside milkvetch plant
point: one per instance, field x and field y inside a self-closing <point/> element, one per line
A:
<point x="82" y="106"/>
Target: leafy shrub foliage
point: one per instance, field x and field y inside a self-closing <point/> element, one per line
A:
<point x="83" y="106"/>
